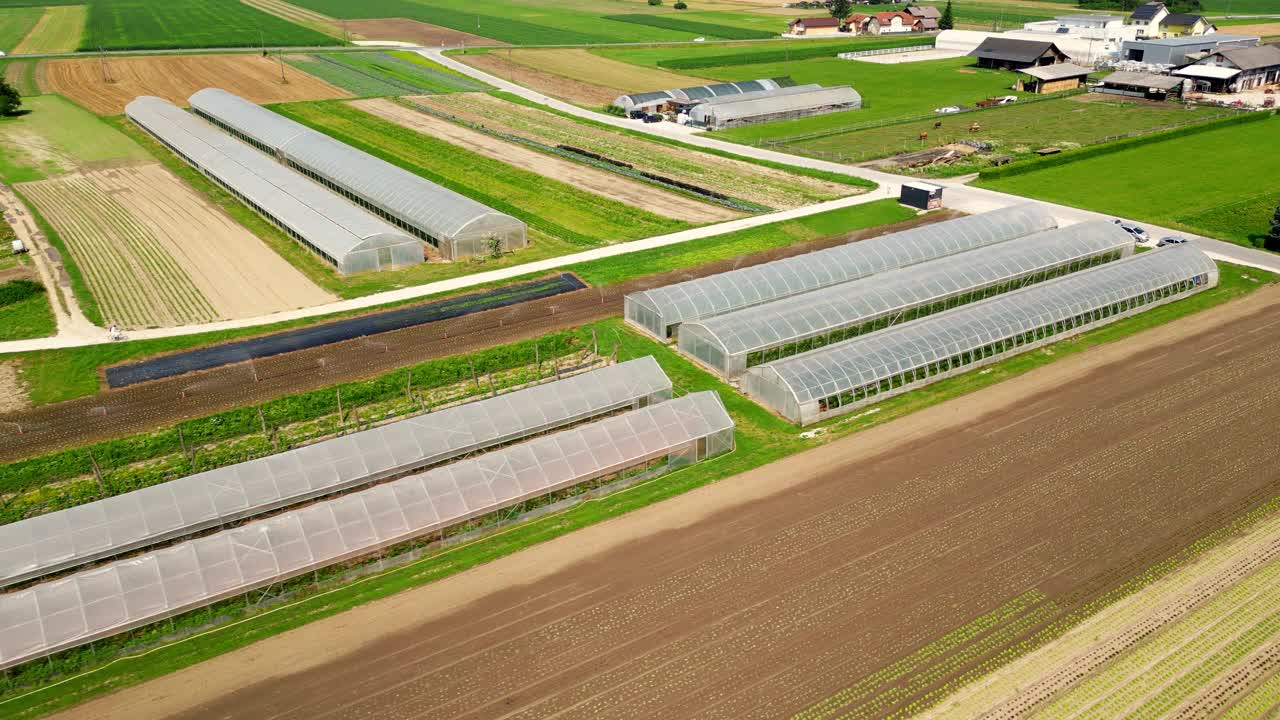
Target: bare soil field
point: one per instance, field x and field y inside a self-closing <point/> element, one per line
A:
<point x="767" y="186"/>
<point x="600" y="182"/>
<point x="299" y="16"/>
<point x="175" y="78"/>
<point x="1262" y="29"/>
<point x="155" y="254"/>
<point x="12" y="395"/>
<point x="145" y="406"/>
<point x="588" y="67"/>
<point x="853" y="580"/>
<point x="416" y="32"/>
<point x="557" y="86"/>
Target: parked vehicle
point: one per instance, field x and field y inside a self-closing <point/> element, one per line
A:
<point x="637" y="114"/>
<point x="653" y="118"/>
<point x="948" y="109"/>
<point x="1138" y="233"/>
<point x="1171" y="240"/>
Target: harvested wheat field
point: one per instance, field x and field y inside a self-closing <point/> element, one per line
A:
<point x="155" y="254"/>
<point x="557" y="86"/>
<point x="175" y="78"/>
<point x="737" y="178"/>
<point x="299" y="16"/>
<point x="416" y="32"/>
<point x="588" y="67"/>
<point x="1262" y="29"/>
<point x="600" y="182"/>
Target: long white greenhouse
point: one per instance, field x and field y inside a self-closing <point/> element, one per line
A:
<point x="768" y="105"/>
<point x="660" y="310"/>
<point x="841" y="378"/>
<point x="455" y="224"/>
<point x="733" y="342"/>
<point x="61" y="540"/>
<point x="115" y="597"/>
<point x="336" y="230"/>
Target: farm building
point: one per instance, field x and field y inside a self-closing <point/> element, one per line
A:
<point x="115" y="597"/>
<point x="456" y="225"/>
<point x="768" y="105"/>
<point x="730" y="344"/>
<point x="50" y="543"/>
<point x="660" y="311"/>
<point x="1146" y="19"/>
<point x="1176" y="24"/>
<point x="1181" y="50"/>
<point x="1052" y="78"/>
<point x="888" y="23"/>
<point x="1010" y="54"/>
<point x="1142" y="85"/>
<point x="841" y="378"/>
<point x="681" y="98"/>
<point x="813" y="26"/>
<point x="341" y="233"/>
<point x="1235" y="69"/>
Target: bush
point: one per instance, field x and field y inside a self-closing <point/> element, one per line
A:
<point x="18" y="290"/>
<point x="655" y="3"/>
<point x="680" y="5"/>
<point x="612" y="109"/>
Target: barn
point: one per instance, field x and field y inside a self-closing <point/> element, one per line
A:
<point x="999" y="53"/>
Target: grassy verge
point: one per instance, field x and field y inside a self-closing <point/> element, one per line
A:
<point x="25" y="311"/>
<point x="761" y="438"/>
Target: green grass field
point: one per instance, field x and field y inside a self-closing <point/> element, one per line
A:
<point x="761" y="438"/>
<point x="15" y="23"/>
<point x="54" y="137"/>
<point x="1015" y="130"/>
<point x="1220" y="183"/>
<point x="146" y="24"/>
<point x="25" y="311"/>
<point x="60" y="30"/>
<point x="377" y="74"/>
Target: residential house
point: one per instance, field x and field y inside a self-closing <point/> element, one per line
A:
<point x="1179" y="24"/>
<point x="1235" y="69"/>
<point x="925" y="12"/>
<point x="812" y="26"/>
<point x="1147" y="18"/>
<point x="1008" y="54"/>
<point x="885" y="23"/>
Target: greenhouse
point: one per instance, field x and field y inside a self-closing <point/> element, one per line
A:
<point x="665" y="99"/>
<point x="339" y="232"/>
<point x="57" y="541"/>
<point x="103" y="601"/>
<point x="456" y="225"/>
<point x="733" y="342"/>
<point x="843" y="377"/>
<point x="661" y="310"/>
<point x="770" y="105"/>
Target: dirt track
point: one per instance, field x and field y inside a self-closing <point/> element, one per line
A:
<point x="150" y="405"/>
<point x="584" y="177"/>
<point x="766" y="593"/>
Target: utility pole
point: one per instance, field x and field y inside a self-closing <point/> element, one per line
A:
<point x="280" y="57"/>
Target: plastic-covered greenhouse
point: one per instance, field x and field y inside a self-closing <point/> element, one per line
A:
<point x="336" y="230"/>
<point x="731" y="343"/>
<point x="660" y="310"/>
<point x="129" y="593"/>
<point x="457" y="225"/>
<point x="50" y="543"/>
<point x="769" y="105"/>
<point x="685" y="96"/>
<point x="843" y="377"/>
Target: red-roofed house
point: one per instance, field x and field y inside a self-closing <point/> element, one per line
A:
<point x="814" y="26"/>
<point x="885" y="23"/>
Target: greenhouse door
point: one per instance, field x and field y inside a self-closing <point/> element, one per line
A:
<point x="384" y="258"/>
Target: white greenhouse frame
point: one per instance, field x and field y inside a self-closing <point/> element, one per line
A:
<point x="660" y="310"/>
<point x="456" y="225"/>
<point x="844" y="377"/>
<point x="729" y="344"/>
<point x="104" y="601"/>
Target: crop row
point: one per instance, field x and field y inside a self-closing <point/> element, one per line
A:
<point x="714" y="30"/>
<point x="141" y="24"/>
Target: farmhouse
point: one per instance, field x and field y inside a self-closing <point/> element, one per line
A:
<point x="925" y="12"/>
<point x="1146" y="19"/>
<point x="1181" y="50"/>
<point x="683" y="98"/>
<point x="1235" y="69"/>
<point x="1052" y="78"/>
<point x="1009" y="54"/>
<point x="767" y="105"/>
<point x="1183" y="24"/>
<point x="814" y="26"/>
<point x="1142" y="85"/>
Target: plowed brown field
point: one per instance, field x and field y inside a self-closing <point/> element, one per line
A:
<point x="764" y="595"/>
<point x="175" y="78"/>
<point x="415" y="31"/>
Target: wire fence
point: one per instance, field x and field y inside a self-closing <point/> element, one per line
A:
<point x="883" y="51"/>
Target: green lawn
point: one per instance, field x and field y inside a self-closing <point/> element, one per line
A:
<point x="1015" y="130"/>
<point x="68" y="135"/>
<point x="25" y="311"/>
<point x="1222" y="183"/>
<point x="147" y="24"/>
<point x="15" y="23"/>
<point x="761" y="438"/>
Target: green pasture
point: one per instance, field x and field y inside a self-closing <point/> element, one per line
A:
<point x="64" y="135"/>
<point x="25" y="311"/>
<point x="147" y="24"/>
<point x="15" y="23"/>
<point x="1220" y="183"/>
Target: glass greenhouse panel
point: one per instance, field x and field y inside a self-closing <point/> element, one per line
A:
<point x="137" y="591"/>
<point x="69" y="538"/>
<point x="659" y="311"/>
<point x="840" y="378"/>
<point x="732" y="342"/>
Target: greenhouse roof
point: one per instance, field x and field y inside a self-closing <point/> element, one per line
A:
<point x="438" y="211"/>
<point x="725" y="292"/>
<point x="768" y="102"/>
<point x="68" y="538"/>
<point x="102" y="601"/>
<point x="334" y="226"/>
<point x="801" y="316"/>
<point x="870" y="358"/>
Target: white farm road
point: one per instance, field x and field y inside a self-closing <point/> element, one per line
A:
<point x="957" y="195"/>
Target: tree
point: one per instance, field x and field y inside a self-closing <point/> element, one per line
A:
<point x="680" y="5"/>
<point x="1272" y="241"/>
<point x="840" y="9"/>
<point x="948" y="20"/>
<point x="10" y="100"/>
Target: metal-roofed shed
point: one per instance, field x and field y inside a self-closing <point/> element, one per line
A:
<point x="769" y="105"/>
<point x="457" y="225"/>
<point x="660" y="99"/>
<point x="841" y="378"/>
<point x="660" y="310"/>
<point x="130" y="593"/>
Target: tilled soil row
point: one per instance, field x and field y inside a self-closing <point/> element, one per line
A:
<point x="146" y="406"/>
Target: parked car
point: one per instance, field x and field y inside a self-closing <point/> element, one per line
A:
<point x="1171" y="240"/>
<point x="637" y="115"/>
<point x="653" y="118"/>
<point x="948" y="109"/>
<point x="1138" y="233"/>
